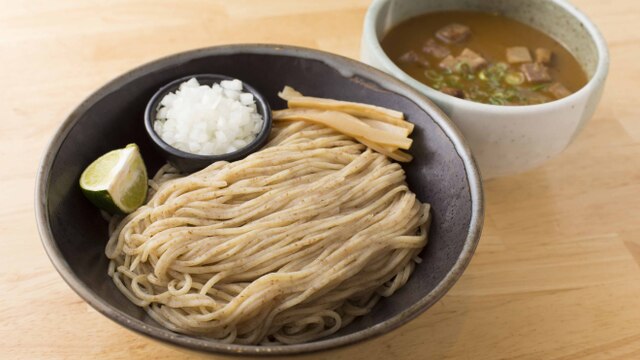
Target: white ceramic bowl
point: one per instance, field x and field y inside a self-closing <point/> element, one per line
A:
<point x="506" y="139"/>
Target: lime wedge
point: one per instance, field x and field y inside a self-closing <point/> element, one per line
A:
<point x="116" y="181"/>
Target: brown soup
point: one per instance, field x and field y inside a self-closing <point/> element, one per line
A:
<point x="484" y="57"/>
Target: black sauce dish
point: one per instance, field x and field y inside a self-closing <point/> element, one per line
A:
<point x="443" y="173"/>
<point x="189" y="162"/>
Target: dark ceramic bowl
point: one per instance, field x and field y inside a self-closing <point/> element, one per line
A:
<point x="189" y="162"/>
<point x="442" y="173"/>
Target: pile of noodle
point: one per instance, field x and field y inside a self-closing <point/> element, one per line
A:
<point x="285" y="246"/>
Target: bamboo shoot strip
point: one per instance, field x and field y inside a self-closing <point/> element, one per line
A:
<point x="295" y="99"/>
<point x="288" y="93"/>
<point x="352" y="108"/>
<point x="395" y="154"/>
<point x="346" y="124"/>
<point x="381" y="125"/>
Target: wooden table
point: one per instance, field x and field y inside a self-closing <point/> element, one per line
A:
<point x="556" y="275"/>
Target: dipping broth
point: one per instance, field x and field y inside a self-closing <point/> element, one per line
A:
<point x="484" y="57"/>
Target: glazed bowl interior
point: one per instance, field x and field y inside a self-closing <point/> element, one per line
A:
<point x="443" y="173"/>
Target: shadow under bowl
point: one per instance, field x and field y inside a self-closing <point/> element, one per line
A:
<point x="442" y="173"/>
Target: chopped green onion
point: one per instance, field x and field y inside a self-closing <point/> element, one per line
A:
<point x="502" y="66"/>
<point x="494" y="82"/>
<point x="453" y="80"/>
<point x="514" y="78"/>
<point x="515" y="98"/>
<point x="481" y="93"/>
<point x="462" y="67"/>
<point x="496" y="101"/>
<point x="433" y="75"/>
<point x="539" y="87"/>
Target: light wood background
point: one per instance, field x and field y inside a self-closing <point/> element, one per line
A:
<point x="556" y="275"/>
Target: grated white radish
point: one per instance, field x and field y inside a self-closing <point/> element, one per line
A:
<point x="208" y="120"/>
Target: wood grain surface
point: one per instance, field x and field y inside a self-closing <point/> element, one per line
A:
<point x="556" y="275"/>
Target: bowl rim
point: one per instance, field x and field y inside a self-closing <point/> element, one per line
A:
<point x="370" y="36"/>
<point x="349" y="68"/>
<point x="262" y="106"/>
